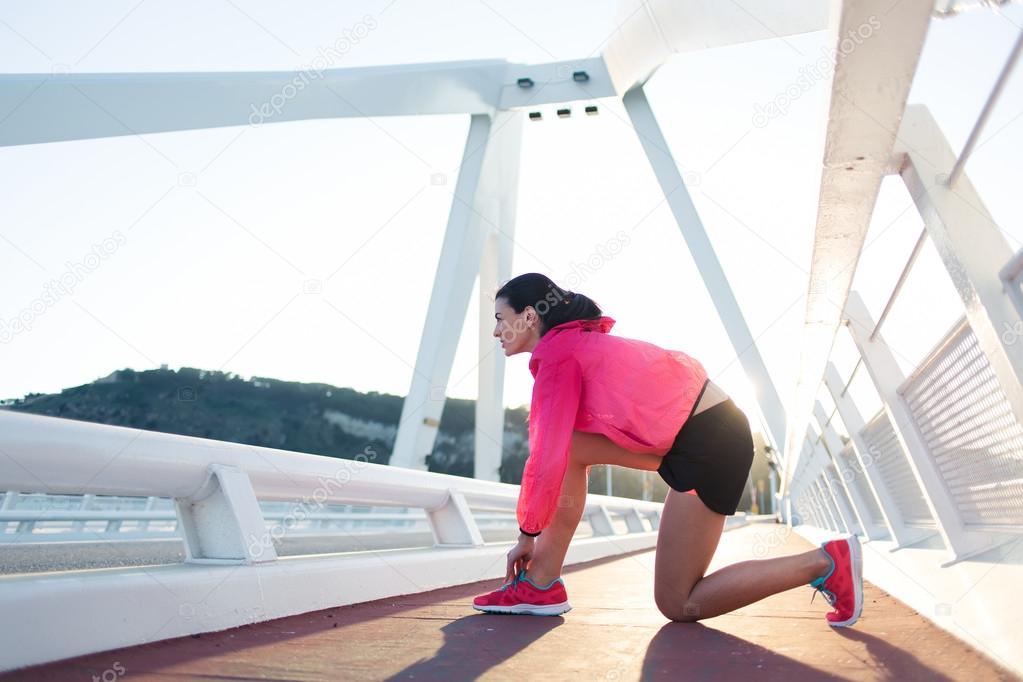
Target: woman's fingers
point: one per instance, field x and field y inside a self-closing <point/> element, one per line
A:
<point x="518" y="560"/>
<point x="515" y="564"/>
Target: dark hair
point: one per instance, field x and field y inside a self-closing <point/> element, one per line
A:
<point x="553" y="304"/>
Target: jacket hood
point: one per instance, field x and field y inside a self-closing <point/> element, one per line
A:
<point x="603" y="325"/>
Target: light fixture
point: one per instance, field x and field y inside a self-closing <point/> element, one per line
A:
<point x="535" y="116"/>
<point x="564" y="113"/>
<point x="580" y="76"/>
<point x="591" y="109"/>
<point x="525" y="82"/>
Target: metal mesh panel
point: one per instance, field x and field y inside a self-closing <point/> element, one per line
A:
<point x="970" y="430"/>
<point x="843" y="501"/>
<point x="811" y="508"/>
<point x="818" y="507"/>
<point x="818" y="511"/>
<point x="821" y="512"/>
<point x="824" y="519"/>
<point x="803" y="508"/>
<point x="858" y="480"/>
<point x="886" y="453"/>
<point x="834" y="522"/>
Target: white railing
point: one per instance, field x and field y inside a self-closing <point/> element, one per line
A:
<point x="231" y="574"/>
<point x="943" y="455"/>
<point x="895" y="470"/>
<point x="932" y="484"/>
<point x="38" y="517"/>
<point x="76" y="457"/>
<point x="969" y="431"/>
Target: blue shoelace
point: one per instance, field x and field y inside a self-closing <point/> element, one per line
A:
<point x="818" y="583"/>
<point x="517" y="578"/>
<point x="829" y="596"/>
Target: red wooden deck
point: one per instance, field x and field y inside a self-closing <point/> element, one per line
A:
<point x="614" y="632"/>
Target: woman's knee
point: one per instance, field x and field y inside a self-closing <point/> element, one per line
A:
<point x="677" y="607"/>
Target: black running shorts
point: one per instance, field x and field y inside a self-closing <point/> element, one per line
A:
<point x="712" y="454"/>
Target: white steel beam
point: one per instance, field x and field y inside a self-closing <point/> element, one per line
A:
<point x="482" y="212"/>
<point x="689" y="222"/>
<point x="650" y="31"/>
<point x="56" y="107"/>
<point x="457" y="269"/>
<point x="496" y="202"/>
<point x="863" y="118"/>
<point x="969" y="242"/>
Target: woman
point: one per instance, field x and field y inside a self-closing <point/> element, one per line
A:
<point x="602" y="399"/>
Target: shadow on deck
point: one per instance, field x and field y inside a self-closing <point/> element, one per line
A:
<point x="613" y="632"/>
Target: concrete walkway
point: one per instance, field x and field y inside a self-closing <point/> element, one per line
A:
<point x="613" y="632"/>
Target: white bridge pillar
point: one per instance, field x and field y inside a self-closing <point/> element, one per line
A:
<point x="477" y="241"/>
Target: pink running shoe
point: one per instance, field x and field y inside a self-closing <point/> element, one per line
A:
<point x="522" y="595"/>
<point x="842" y="585"/>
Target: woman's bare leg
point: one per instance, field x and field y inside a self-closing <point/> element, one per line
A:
<point x="552" y="545"/>
<point x="687" y="538"/>
<point x="586" y="450"/>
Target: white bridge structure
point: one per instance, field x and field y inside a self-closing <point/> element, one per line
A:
<point x="932" y="482"/>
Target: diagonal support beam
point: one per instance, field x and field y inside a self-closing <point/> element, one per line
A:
<point x="688" y="219"/>
<point x="478" y="241"/>
<point x="969" y="242"/>
<point x="650" y="31"/>
<point x="457" y="268"/>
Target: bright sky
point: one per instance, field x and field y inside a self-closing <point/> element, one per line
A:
<point x="210" y="273"/>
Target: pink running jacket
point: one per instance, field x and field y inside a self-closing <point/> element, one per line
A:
<point x="634" y="392"/>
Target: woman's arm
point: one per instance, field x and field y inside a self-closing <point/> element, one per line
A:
<point x="556" y="395"/>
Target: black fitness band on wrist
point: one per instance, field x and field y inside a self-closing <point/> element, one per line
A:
<point x="532" y="535"/>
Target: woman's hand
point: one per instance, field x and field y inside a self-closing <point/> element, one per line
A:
<point x="519" y="556"/>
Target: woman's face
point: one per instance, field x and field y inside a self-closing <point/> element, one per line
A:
<point x="518" y="332"/>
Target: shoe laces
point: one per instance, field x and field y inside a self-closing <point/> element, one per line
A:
<point x="829" y="596"/>
<point x="512" y="583"/>
<point x="818" y="584"/>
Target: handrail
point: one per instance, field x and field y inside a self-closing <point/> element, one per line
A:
<point x="902" y="280"/>
<point x="150" y="463"/>
<point x="989" y="105"/>
<point x="340" y="522"/>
